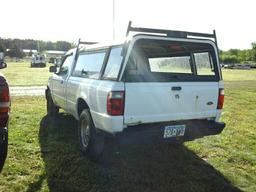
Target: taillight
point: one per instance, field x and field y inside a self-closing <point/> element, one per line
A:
<point x="221" y="99"/>
<point x="4" y="99"/>
<point x="115" y="103"/>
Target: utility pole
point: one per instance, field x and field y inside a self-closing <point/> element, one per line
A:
<point x="113" y="19"/>
<point x="38" y="47"/>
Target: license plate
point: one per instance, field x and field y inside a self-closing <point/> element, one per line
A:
<point x="174" y="131"/>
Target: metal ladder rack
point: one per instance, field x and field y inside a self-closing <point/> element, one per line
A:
<point x="85" y="42"/>
<point x="171" y="33"/>
<point x="79" y="42"/>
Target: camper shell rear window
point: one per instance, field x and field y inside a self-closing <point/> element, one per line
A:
<point x="154" y="60"/>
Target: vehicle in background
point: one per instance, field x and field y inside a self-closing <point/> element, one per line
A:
<point x="156" y="85"/>
<point x="38" y="61"/>
<point x="1" y="57"/>
<point x="4" y="116"/>
<point x="58" y="61"/>
<point x="2" y="63"/>
<point x="237" y="66"/>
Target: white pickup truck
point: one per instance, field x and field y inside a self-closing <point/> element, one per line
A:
<point x="157" y="84"/>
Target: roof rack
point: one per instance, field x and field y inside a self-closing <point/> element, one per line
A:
<point x="171" y="33"/>
<point x="79" y="42"/>
<point x="85" y="42"/>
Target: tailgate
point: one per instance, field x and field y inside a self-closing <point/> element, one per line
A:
<point x="158" y="102"/>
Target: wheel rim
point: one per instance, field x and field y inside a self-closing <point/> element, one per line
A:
<point x="85" y="133"/>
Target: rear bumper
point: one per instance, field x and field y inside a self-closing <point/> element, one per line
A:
<point x="154" y="132"/>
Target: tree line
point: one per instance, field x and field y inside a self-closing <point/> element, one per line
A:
<point x="239" y="56"/>
<point x="15" y="46"/>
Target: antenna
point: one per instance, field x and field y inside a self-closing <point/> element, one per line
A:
<point x="113" y="19"/>
<point x="38" y="47"/>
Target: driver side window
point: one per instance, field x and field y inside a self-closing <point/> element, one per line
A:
<point x="65" y="67"/>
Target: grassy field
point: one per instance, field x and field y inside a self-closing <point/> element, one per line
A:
<point x="21" y="74"/>
<point x="239" y="75"/>
<point x="44" y="156"/>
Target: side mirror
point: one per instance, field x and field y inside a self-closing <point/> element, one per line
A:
<point x="53" y="69"/>
<point x="3" y="65"/>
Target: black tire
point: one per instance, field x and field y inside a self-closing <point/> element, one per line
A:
<point x="91" y="143"/>
<point x="3" y="148"/>
<point x="52" y="109"/>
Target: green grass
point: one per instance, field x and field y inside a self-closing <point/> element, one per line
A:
<point x="21" y="74"/>
<point x="43" y="154"/>
<point x="239" y="75"/>
<point x="233" y="152"/>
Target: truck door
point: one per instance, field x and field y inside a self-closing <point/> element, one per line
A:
<point x="59" y="81"/>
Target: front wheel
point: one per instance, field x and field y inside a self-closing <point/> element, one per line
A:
<point x="52" y="109"/>
<point x="91" y="143"/>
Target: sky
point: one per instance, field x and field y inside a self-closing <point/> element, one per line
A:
<point x="92" y="20"/>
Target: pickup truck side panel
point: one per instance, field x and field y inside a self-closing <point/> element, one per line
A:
<point x="94" y="93"/>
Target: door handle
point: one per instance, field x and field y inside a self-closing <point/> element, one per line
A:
<point x="176" y="88"/>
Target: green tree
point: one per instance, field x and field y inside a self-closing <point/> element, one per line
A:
<point x="15" y="51"/>
<point x="2" y="47"/>
<point x="49" y="45"/>
<point x="30" y="53"/>
<point x="225" y="58"/>
<point x="253" y="51"/>
<point x="63" y="45"/>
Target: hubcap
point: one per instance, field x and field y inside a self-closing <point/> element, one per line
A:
<point x="85" y="133"/>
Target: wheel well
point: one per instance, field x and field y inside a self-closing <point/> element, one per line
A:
<point x="81" y="105"/>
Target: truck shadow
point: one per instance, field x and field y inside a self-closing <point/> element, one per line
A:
<point x="150" y="167"/>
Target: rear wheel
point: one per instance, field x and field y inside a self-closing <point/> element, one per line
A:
<point x="52" y="109"/>
<point x="91" y="143"/>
